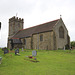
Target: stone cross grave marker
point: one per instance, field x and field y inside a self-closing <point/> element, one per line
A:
<point x="16" y="51"/>
<point x="34" y="53"/>
<point x="6" y="51"/>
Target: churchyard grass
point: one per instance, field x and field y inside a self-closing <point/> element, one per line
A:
<point x="54" y="62"/>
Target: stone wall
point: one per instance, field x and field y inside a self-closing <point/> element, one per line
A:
<point x="61" y="42"/>
<point x="46" y="44"/>
<point x="26" y="43"/>
<point x="15" y="24"/>
<point x="35" y="43"/>
<point x="9" y="45"/>
<point x="17" y="46"/>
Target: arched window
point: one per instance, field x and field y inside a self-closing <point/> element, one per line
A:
<point x="61" y="32"/>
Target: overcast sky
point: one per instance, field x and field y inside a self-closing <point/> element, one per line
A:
<point x="35" y="12"/>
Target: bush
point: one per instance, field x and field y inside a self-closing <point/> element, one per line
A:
<point x="73" y="44"/>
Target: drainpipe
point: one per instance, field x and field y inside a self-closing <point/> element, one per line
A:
<point x="37" y="40"/>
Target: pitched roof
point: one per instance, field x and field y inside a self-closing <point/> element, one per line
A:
<point x="15" y="41"/>
<point x="36" y="29"/>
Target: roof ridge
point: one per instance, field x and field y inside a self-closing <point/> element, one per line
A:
<point x="39" y="24"/>
<point x="15" y="38"/>
<point x="56" y="23"/>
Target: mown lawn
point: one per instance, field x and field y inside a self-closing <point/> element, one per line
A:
<point x="58" y="62"/>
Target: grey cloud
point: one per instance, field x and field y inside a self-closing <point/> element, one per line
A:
<point x="10" y="6"/>
<point x="35" y="12"/>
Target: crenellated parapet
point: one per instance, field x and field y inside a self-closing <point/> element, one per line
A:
<point x="16" y="19"/>
<point x="15" y="24"/>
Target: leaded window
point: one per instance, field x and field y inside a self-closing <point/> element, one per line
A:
<point x="41" y="37"/>
<point x="61" y="32"/>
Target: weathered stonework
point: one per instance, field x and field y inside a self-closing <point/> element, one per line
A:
<point x="28" y="43"/>
<point x="15" y="24"/>
<point x="17" y="46"/>
<point x="9" y="44"/>
<point x="61" y="42"/>
<point x="51" y="39"/>
<point x="46" y="44"/>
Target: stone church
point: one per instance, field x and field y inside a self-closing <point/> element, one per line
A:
<point x="52" y="35"/>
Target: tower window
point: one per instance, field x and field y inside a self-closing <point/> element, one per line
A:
<point x="61" y="32"/>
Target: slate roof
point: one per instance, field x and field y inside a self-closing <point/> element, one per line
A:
<point x="36" y="29"/>
<point x="15" y="41"/>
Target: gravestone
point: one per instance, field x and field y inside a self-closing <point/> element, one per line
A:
<point x="34" y="53"/>
<point x="6" y="51"/>
<point x="22" y="49"/>
<point x="16" y="51"/>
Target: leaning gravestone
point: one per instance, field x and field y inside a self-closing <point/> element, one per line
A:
<point x="6" y="51"/>
<point x="16" y="51"/>
<point x="34" y="53"/>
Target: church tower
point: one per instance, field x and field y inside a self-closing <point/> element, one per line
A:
<point x="15" y="24"/>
